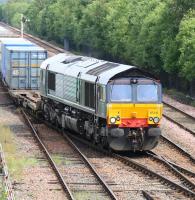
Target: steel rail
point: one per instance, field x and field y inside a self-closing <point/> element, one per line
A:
<point x="176" y="122"/>
<point x="183" y="151"/>
<point x="179" y="124"/>
<point x="59" y="50"/>
<point x="104" y="184"/>
<point x="152" y="173"/>
<point x="192" y="158"/>
<point x="173" y="168"/>
<point x="52" y="163"/>
<point x="86" y="161"/>
<point x="179" y="110"/>
<point x="181" y="169"/>
<point x="147" y="195"/>
<point x="6" y="104"/>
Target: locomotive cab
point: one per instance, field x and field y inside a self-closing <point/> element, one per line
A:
<point x="134" y="111"/>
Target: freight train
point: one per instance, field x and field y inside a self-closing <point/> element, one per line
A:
<point x="114" y="105"/>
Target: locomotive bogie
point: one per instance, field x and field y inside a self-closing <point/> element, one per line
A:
<point x="116" y="138"/>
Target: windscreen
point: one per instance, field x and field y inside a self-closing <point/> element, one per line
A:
<point x="121" y="93"/>
<point x="147" y="93"/>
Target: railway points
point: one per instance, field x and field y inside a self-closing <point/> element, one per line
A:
<point x="178" y="157"/>
<point x="137" y="164"/>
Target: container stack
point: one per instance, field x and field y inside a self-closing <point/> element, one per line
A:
<point x="20" y="60"/>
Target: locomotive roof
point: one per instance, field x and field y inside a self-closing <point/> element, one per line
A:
<point x="87" y="68"/>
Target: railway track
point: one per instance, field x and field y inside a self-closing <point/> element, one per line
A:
<point x="139" y="164"/>
<point x="42" y="43"/>
<point x="177" y="157"/>
<point x="52" y="163"/>
<point x="179" y="148"/>
<point x="175" y="179"/>
<point x="179" y="117"/>
<point x="16" y="134"/>
<point x="80" y="162"/>
<point x="177" y="170"/>
<point x="146" y="194"/>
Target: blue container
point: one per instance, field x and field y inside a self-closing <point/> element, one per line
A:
<point x="23" y="66"/>
<point x="6" y="42"/>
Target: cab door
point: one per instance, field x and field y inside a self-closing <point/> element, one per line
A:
<point x="101" y="100"/>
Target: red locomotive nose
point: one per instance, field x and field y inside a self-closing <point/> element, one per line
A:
<point x="133" y="123"/>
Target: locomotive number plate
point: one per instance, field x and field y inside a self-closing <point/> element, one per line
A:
<point x="153" y="113"/>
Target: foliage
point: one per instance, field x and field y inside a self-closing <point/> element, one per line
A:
<point x="3" y="194"/>
<point x="186" y="40"/>
<point x="10" y="12"/>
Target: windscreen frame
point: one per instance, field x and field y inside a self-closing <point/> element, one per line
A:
<point x="134" y="91"/>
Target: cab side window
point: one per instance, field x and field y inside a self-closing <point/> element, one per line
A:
<point x="102" y="95"/>
<point x="51" y="81"/>
<point x="89" y="95"/>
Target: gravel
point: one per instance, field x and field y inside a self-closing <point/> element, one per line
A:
<point x="125" y="181"/>
<point x="31" y="175"/>
<point x="185" y="108"/>
<point x="178" y="135"/>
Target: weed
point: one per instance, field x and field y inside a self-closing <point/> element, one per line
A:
<point x="59" y="160"/>
<point x="87" y="195"/>
<point x="3" y="194"/>
<point x="16" y="164"/>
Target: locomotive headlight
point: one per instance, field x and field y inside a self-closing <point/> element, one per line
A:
<point x="151" y="119"/>
<point x="156" y="120"/>
<point x="112" y="120"/>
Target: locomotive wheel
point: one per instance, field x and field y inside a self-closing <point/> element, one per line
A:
<point x="104" y="142"/>
<point x="95" y="139"/>
<point x="57" y="123"/>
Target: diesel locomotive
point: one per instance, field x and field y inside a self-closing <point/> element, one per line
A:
<point x="115" y="105"/>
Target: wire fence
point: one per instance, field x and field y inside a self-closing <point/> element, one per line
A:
<point x="5" y="176"/>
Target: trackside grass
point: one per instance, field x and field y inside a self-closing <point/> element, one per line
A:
<point x="16" y="163"/>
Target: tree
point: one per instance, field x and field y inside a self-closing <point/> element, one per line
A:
<point x="186" y="40"/>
